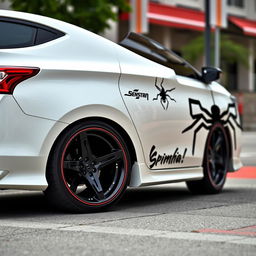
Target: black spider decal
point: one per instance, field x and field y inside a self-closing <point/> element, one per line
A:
<point x="163" y="95"/>
<point x="214" y="116"/>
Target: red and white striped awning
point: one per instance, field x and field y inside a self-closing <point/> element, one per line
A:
<point x="184" y="18"/>
<point x="173" y="17"/>
<point x="248" y="26"/>
<point x="176" y="17"/>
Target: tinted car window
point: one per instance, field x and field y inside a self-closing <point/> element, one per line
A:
<point x="19" y="33"/>
<point x="44" y="36"/>
<point x="181" y="68"/>
<point x="16" y="35"/>
<point x="152" y="50"/>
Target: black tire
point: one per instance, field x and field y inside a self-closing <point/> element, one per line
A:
<point x="88" y="169"/>
<point x="215" y="163"/>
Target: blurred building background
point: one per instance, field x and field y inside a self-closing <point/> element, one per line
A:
<point x="176" y="23"/>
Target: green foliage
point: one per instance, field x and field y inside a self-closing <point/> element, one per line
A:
<point x="195" y="49"/>
<point x="231" y="52"/>
<point x="93" y="15"/>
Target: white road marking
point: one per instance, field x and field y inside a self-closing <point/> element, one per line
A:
<point x="31" y="224"/>
<point x="192" y="236"/>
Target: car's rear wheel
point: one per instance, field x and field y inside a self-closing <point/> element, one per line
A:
<point x="88" y="168"/>
<point x="215" y="163"/>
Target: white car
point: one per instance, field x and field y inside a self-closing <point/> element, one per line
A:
<point x="82" y="118"/>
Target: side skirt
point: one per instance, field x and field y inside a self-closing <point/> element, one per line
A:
<point x="142" y="176"/>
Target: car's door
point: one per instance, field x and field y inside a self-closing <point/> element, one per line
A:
<point x="162" y="109"/>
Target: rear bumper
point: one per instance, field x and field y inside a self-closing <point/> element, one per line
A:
<point x="22" y="172"/>
<point x="23" y="157"/>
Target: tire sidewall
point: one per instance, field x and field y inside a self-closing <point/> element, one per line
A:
<point x="57" y="180"/>
<point x="207" y="172"/>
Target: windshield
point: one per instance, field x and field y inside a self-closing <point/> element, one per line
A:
<point x="154" y="51"/>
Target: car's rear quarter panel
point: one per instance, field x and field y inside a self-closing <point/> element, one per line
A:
<point x="78" y="79"/>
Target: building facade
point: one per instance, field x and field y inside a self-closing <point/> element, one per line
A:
<point x="175" y="23"/>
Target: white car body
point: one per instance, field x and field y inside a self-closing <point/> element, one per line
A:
<point x="83" y="75"/>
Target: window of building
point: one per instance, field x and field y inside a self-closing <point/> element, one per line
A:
<point x="236" y="3"/>
<point x="231" y="75"/>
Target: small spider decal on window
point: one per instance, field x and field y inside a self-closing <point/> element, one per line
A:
<point x="163" y="94"/>
<point x="207" y="119"/>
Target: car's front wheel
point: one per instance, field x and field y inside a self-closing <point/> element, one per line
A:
<point x="215" y="163"/>
<point x="88" y="168"/>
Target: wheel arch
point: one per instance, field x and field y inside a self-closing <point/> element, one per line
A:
<point x="115" y="125"/>
<point x="214" y="178"/>
<point x="230" y="146"/>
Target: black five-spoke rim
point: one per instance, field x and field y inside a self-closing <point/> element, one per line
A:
<point x="217" y="156"/>
<point x="94" y="166"/>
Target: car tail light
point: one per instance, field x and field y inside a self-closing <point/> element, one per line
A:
<point x="11" y="76"/>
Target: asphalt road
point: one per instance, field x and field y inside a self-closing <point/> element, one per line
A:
<point x="159" y="220"/>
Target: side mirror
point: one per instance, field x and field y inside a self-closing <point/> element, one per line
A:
<point x="210" y="74"/>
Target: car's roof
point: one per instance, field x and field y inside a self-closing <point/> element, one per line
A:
<point x="77" y="33"/>
<point x="80" y="44"/>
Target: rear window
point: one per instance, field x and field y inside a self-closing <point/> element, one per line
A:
<point x="44" y="36"/>
<point x="17" y="33"/>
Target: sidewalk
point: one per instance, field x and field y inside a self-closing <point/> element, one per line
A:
<point x="246" y="172"/>
<point x="248" y="157"/>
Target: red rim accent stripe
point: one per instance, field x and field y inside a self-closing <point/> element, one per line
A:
<point x="125" y="162"/>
